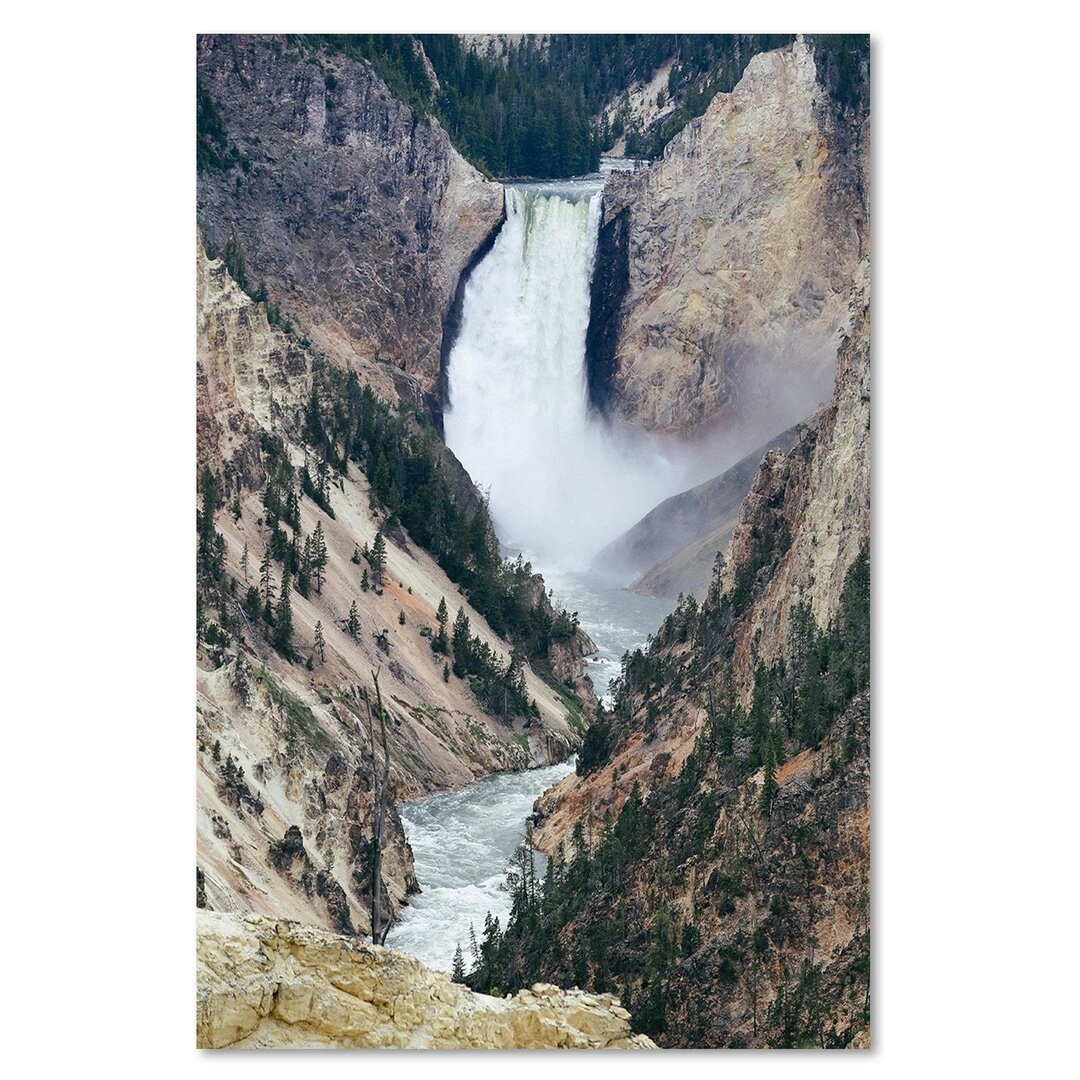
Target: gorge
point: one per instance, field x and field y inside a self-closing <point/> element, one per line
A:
<point x="431" y="407"/>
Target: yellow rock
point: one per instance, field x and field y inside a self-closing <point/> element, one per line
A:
<point x="267" y="983"/>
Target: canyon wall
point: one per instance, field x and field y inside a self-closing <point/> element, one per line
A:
<point x="284" y="756"/>
<point x="776" y="892"/>
<point x="723" y="269"/>
<point x="819" y="493"/>
<point x="357" y="213"/>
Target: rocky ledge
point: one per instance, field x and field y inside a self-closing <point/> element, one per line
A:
<point x="269" y="983"/>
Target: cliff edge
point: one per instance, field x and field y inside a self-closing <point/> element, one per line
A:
<point x="263" y="983"/>
<point x="723" y="270"/>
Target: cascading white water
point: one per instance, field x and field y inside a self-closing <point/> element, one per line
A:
<point x="562" y="484"/>
<point x="463" y="842"/>
<point x="561" y="481"/>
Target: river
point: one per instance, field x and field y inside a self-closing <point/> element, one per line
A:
<point x="562" y="482"/>
<point x="463" y="841"/>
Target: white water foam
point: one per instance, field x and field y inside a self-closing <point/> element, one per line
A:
<point x="562" y="482"/>
<point x="462" y="844"/>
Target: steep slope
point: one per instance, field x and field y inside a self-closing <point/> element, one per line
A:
<point x="285" y="762"/>
<point x="689" y="571"/>
<point x="265" y="983"/>
<point x="699" y="518"/>
<point x="823" y="491"/>
<point x="723" y="270"/>
<point x="714" y="858"/>
<point x="358" y="215"/>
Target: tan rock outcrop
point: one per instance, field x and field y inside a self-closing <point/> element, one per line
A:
<point x="264" y="983"/>
<point x="739" y="250"/>
<point x="825" y="486"/>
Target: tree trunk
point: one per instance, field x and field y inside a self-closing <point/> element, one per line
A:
<point x="381" y="791"/>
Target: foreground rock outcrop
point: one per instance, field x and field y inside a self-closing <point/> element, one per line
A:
<point x="723" y="270"/>
<point x="267" y="983"/>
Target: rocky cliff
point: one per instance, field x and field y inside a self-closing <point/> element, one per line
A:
<point x="730" y="815"/>
<point x="265" y="983"/>
<point x="723" y="270"/>
<point x="357" y="213"/>
<point x="285" y="776"/>
<point x="819" y="494"/>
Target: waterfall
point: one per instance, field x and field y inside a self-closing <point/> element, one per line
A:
<point x="562" y="482"/>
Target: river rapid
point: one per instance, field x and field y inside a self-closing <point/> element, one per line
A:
<point x="463" y="841"/>
<point x="462" y="845"/>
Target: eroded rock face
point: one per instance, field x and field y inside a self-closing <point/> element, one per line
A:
<point x="810" y="897"/>
<point x="359" y="216"/>
<point x="267" y="983"/>
<point x="290" y="836"/>
<point x="822" y="490"/>
<point x="738" y="251"/>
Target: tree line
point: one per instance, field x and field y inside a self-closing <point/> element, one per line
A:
<point x="532" y="107"/>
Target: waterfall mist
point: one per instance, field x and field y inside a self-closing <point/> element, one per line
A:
<point x="562" y="481"/>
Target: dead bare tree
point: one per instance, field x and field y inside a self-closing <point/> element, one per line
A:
<point x="381" y="791"/>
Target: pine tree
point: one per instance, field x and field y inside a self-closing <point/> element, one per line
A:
<point x="365" y="581"/>
<point x="462" y="644"/>
<point x="726" y="714"/>
<point x="458" y="973"/>
<point x="441" y="643"/>
<point x="760" y="713"/>
<point x="378" y="560"/>
<point x="401" y="618"/>
<point x="283" y="627"/>
<point x="244" y="561"/>
<point x="320" y="642"/>
<point x="292" y="506"/>
<point x="208" y="558"/>
<point x="319" y="556"/>
<point x="354" y="621"/>
<point x="266" y="581"/>
<point x="515" y="674"/>
<point x="446" y="673"/>
<point x="303" y="573"/>
<point x="252" y="602"/>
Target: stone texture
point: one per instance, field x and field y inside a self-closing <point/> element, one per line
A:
<point x="814" y="846"/>
<point x="738" y="250"/>
<point x="823" y="486"/>
<point x="264" y="983"/>
<point x="300" y="736"/>
<point x="359" y="215"/>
